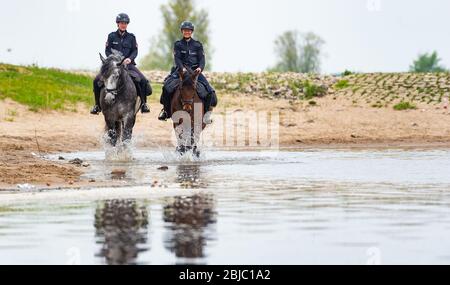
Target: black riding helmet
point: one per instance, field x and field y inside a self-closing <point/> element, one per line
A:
<point x="122" y="17"/>
<point x="187" y="25"/>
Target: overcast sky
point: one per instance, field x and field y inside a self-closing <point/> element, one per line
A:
<point x="360" y="35"/>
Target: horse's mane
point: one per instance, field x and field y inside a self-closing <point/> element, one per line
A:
<point x="187" y="81"/>
<point x="109" y="65"/>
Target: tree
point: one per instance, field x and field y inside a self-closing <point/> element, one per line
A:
<point x="427" y="63"/>
<point x="298" y="52"/>
<point x="160" y="55"/>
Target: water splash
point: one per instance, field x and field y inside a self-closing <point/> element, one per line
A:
<point x="170" y="155"/>
<point x="122" y="152"/>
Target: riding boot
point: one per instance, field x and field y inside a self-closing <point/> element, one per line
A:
<point x="96" y="110"/>
<point x="144" y="107"/>
<point x="163" y="115"/>
<point x="207" y="102"/>
<point x="166" y="99"/>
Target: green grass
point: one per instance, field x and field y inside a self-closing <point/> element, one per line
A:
<point x="341" y="84"/>
<point x="43" y="88"/>
<point x="157" y="89"/>
<point x="404" y="106"/>
<point x="50" y="89"/>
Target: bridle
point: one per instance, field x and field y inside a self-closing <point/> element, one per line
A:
<point x="115" y="91"/>
<point x="112" y="91"/>
<point x="187" y="102"/>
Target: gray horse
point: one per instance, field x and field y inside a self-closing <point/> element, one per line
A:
<point x="118" y="100"/>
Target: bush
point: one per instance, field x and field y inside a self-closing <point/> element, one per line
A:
<point x="312" y="90"/>
<point x="404" y="106"/>
<point x="347" y="72"/>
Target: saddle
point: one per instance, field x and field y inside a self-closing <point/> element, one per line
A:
<point x="143" y="87"/>
<point x="134" y="75"/>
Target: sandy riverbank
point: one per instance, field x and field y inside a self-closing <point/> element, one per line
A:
<point x="332" y="123"/>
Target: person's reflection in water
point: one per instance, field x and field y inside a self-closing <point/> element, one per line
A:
<point x="189" y="218"/>
<point x="121" y="229"/>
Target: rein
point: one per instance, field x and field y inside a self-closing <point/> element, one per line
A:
<point x="189" y="101"/>
<point x="112" y="91"/>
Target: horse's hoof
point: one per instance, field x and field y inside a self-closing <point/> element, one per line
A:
<point x="196" y="152"/>
<point x="181" y="150"/>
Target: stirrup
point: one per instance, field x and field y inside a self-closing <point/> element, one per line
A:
<point x="95" y="110"/>
<point x="163" y="116"/>
<point x="145" y="108"/>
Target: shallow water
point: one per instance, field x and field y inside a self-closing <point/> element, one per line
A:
<point x="234" y="207"/>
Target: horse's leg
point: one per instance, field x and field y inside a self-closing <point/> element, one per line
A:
<point x="129" y="123"/>
<point x="194" y="141"/>
<point x="112" y="133"/>
<point x="181" y="149"/>
<point x="118" y="129"/>
<point x="198" y="125"/>
<point x="182" y="126"/>
<point x="178" y="119"/>
<point x="177" y="128"/>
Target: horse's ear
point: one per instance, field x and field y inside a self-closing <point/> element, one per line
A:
<point x="194" y="76"/>
<point x="102" y="58"/>
<point x="181" y="73"/>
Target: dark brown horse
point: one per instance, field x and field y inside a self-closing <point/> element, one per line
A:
<point x="187" y="113"/>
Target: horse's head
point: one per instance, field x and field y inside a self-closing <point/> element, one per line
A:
<point x="110" y="74"/>
<point x="188" y="88"/>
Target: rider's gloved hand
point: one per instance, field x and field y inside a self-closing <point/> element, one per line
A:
<point x="127" y="61"/>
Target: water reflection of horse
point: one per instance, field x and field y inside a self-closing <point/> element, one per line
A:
<point x="187" y="113"/>
<point x="121" y="229"/>
<point x="189" y="217"/>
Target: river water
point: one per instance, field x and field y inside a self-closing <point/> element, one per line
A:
<point x="371" y="206"/>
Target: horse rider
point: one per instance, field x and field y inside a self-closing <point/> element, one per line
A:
<point x="124" y="42"/>
<point x="188" y="53"/>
